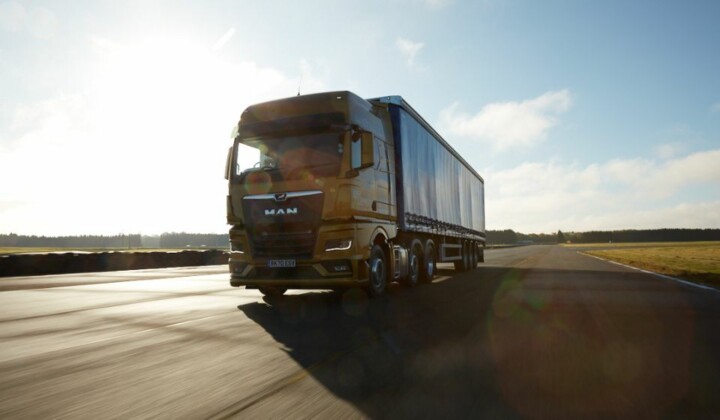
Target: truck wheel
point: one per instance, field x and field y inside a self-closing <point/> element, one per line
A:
<point x="378" y="271"/>
<point x="272" y="291"/>
<point x="462" y="265"/>
<point x="428" y="271"/>
<point x="467" y="256"/>
<point x="473" y="255"/>
<point x="414" y="266"/>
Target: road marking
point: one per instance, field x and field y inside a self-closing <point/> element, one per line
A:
<point x="441" y="279"/>
<point x="675" y="279"/>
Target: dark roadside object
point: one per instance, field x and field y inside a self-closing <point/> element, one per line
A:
<point x="70" y="262"/>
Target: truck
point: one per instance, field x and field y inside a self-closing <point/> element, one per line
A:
<point x="333" y="191"/>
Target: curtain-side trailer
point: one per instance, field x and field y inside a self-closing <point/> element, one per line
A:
<point x="332" y="191"/>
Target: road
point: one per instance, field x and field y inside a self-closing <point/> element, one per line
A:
<point x="535" y="332"/>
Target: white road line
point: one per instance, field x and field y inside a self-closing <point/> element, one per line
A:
<point x="675" y="279"/>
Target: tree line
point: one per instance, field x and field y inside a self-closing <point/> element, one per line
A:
<point x="213" y="240"/>
<point x="508" y="236"/>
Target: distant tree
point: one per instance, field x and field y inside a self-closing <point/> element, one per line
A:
<point x="507" y="236"/>
<point x="561" y="237"/>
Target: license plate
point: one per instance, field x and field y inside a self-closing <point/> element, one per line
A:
<point x="281" y="263"/>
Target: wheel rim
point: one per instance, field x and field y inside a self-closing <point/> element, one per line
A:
<point x="414" y="268"/>
<point x="430" y="263"/>
<point x="378" y="273"/>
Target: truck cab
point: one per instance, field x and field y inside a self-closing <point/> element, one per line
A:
<point x="311" y="183"/>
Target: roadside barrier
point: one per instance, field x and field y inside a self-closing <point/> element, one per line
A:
<point x="71" y="262"/>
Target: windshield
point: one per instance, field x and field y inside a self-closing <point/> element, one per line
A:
<point x="294" y="156"/>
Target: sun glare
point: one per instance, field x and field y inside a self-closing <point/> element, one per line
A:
<point x="141" y="148"/>
<point x="163" y="109"/>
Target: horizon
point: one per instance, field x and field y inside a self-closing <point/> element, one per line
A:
<point x="158" y="235"/>
<point x="580" y="117"/>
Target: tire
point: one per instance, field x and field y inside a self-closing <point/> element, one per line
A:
<point x="473" y="255"/>
<point x="378" y="272"/>
<point x="429" y="263"/>
<point x="272" y="291"/>
<point x="460" y="265"/>
<point x="414" y="265"/>
<point x="467" y="256"/>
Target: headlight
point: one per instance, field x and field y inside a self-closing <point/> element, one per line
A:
<point x="338" y="244"/>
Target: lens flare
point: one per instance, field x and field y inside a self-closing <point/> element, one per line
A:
<point x="566" y="347"/>
<point x="258" y="183"/>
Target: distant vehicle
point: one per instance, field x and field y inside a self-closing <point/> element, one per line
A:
<point x="332" y="191"/>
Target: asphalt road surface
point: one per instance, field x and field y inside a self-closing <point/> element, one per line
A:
<point x="535" y="332"/>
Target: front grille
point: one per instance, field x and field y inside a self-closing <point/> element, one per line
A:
<point x="283" y="228"/>
<point x="285" y="244"/>
<point x="284" y="273"/>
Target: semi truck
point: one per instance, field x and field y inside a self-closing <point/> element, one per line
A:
<point x="333" y="191"/>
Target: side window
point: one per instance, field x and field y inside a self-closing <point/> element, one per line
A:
<point x="356" y="152"/>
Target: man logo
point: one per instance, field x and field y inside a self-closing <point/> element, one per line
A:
<point x="281" y="212"/>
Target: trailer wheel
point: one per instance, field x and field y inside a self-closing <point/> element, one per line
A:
<point x="428" y="271"/>
<point x="272" y="291"/>
<point x="468" y="255"/>
<point x="473" y="255"/>
<point x="463" y="264"/>
<point x="414" y="265"/>
<point x="378" y="271"/>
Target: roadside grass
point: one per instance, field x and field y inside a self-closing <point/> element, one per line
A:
<point x="643" y="244"/>
<point x="45" y="250"/>
<point x="694" y="261"/>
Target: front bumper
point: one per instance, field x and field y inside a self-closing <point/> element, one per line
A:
<point x="313" y="274"/>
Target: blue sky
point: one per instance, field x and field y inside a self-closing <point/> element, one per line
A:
<point x="115" y="116"/>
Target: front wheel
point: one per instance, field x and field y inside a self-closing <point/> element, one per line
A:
<point x="378" y="271"/>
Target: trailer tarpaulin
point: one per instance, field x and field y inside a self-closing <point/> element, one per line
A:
<point x="436" y="184"/>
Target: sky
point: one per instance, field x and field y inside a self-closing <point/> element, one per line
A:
<point x="116" y="117"/>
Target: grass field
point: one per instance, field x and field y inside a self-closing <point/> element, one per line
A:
<point x="642" y="244"/>
<point x="695" y="261"/>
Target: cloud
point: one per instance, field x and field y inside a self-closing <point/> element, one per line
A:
<point x="508" y="125"/>
<point x="668" y="150"/>
<point x="715" y="108"/>
<point x="618" y="194"/>
<point x="409" y="50"/>
<point x="12" y="16"/>
<point x="140" y="149"/>
<point x="38" y="22"/>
